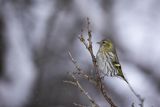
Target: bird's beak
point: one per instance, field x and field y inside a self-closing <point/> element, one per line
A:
<point x="99" y="43"/>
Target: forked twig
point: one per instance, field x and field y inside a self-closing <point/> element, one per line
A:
<point x="80" y="72"/>
<point x="76" y="83"/>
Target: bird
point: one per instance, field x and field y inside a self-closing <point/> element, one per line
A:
<point x="107" y="59"/>
<point x="108" y="63"/>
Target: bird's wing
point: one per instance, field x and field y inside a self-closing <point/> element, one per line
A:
<point x="117" y="65"/>
<point x="115" y="58"/>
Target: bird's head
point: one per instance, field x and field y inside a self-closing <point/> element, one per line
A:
<point x="106" y="44"/>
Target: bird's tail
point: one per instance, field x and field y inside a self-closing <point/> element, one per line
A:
<point x="122" y="76"/>
<point x="120" y="73"/>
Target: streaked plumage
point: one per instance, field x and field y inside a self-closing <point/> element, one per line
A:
<point x="107" y="59"/>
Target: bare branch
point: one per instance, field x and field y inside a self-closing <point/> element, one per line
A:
<point x="137" y="95"/>
<point x="74" y="62"/>
<point x="99" y="79"/>
<point x="80" y="71"/>
<point x="85" y="76"/>
<point x="70" y="82"/>
<point x="79" y="86"/>
<point x="79" y="105"/>
<point x="81" y="38"/>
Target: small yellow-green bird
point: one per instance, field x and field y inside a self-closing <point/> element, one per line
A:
<point x="107" y="59"/>
<point x="108" y="63"/>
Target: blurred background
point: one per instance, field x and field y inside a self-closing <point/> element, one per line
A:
<point x="35" y="36"/>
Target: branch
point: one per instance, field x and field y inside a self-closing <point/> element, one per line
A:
<point x="80" y="71"/>
<point x="79" y="105"/>
<point x="137" y="95"/>
<point x="78" y="85"/>
<point x="70" y="82"/>
<point x="99" y="79"/>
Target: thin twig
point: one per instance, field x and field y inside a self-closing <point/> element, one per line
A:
<point x="79" y="105"/>
<point x="82" y="90"/>
<point x="74" y="62"/>
<point x="80" y="72"/>
<point x="137" y="95"/>
<point x="85" y="76"/>
<point x="70" y="82"/>
<point x="77" y="84"/>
